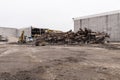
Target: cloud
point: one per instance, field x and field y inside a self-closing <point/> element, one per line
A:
<point x="55" y="14"/>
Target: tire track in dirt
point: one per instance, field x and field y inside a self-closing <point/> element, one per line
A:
<point x="8" y="51"/>
<point x="34" y="58"/>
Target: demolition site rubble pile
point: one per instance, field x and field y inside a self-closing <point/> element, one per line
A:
<point x="83" y="36"/>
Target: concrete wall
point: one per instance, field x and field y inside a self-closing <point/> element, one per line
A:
<point x="105" y="23"/>
<point x="8" y="32"/>
<point x="12" y="32"/>
<point x="76" y="25"/>
<point x="26" y="30"/>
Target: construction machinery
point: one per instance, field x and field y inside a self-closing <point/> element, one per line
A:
<point x="53" y="31"/>
<point x="22" y="38"/>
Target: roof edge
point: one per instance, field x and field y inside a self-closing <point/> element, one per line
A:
<point x="96" y="15"/>
<point x="8" y="28"/>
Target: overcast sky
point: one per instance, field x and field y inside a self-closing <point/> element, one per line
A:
<point x="53" y="14"/>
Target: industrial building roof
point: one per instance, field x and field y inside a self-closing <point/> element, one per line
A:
<point x="96" y="15"/>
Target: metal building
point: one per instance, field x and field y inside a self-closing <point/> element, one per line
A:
<point x="106" y="22"/>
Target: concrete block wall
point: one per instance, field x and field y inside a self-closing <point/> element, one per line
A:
<point x="8" y="32"/>
<point x="105" y="23"/>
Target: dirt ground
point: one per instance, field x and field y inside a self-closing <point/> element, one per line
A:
<point x="63" y="62"/>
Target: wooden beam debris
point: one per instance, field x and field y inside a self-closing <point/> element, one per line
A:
<point x="83" y="36"/>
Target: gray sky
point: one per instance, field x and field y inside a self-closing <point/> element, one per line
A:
<point x="53" y="14"/>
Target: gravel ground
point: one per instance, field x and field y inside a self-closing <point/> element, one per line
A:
<point x="88" y="62"/>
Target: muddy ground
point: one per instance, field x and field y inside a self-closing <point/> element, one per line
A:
<point x="85" y="62"/>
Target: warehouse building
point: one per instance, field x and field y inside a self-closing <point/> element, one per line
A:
<point x="106" y="22"/>
<point x="13" y="33"/>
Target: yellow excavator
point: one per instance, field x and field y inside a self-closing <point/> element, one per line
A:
<point x="22" y="38"/>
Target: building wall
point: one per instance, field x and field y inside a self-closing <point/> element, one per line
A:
<point x="105" y="23"/>
<point x="76" y="25"/>
<point x="8" y="32"/>
<point x="27" y="31"/>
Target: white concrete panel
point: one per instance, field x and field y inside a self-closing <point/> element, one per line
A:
<point x="113" y="27"/>
<point x="93" y="24"/>
<point x="101" y="24"/>
<point x="85" y="23"/>
<point x="76" y="25"/>
<point x="8" y="32"/>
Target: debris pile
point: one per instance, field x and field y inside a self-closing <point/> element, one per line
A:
<point x="83" y="36"/>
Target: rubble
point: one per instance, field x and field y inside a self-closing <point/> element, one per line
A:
<point x="83" y="36"/>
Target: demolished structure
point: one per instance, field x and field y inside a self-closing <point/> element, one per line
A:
<point x="82" y="36"/>
<point x="12" y="34"/>
<point x="39" y="35"/>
